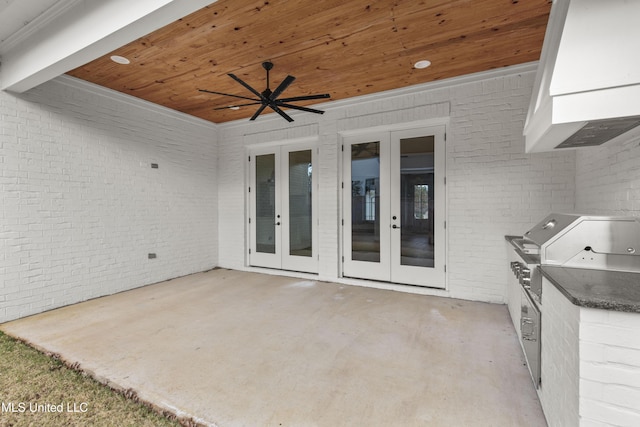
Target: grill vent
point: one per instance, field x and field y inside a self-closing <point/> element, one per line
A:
<point x="600" y="131"/>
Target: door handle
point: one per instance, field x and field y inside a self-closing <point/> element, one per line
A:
<point x="277" y="223"/>
<point x="395" y="226"/>
<point x="528" y="329"/>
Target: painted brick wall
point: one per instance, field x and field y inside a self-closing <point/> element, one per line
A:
<point x="608" y="178"/>
<point x="81" y="205"/>
<point x="608" y="183"/>
<point x="560" y="361"/>
<point x="609" y="368"/>
<point x="590" y="364"/>
<point x="494" y="188"/>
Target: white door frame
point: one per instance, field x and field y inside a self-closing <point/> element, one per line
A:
<point x="282" y="259"/>
<point x="413" y="275"/>
<point x="364" y="269"/>
<point x="389" y="269"/>
<point x="294" y="262"/>
<point x="263" y="259"/>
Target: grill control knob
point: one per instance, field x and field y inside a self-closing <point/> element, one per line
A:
<point x="525" y="277"/>
<point x="516" y="269"/>
<point x="513" y="265"/>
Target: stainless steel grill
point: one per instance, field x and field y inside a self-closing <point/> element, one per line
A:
<point x="567" y="240"/>
<point x="595" y="242"/>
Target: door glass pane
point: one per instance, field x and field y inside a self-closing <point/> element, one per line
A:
<point x="266" y="203"/>
<point x="365" y="202"/>
<point x="416" y="201"/>
<point x="300" y="240"/>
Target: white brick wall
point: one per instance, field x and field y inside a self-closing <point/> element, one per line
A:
<point x="590" y="364"/>
<point x="493" y="187"/>
<point x="609" y="368"/>
<point x="608" y="183"/>
<point x="81" y="206"/>
<point x="560" y="358"/>
<point x="608" y="179"/>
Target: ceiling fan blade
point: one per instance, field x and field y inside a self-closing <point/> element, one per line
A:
<point x="281" y="87"/>
<point x="277" y="109"/>
<point x="257" y="113"/>
<point x="305" y="97"/>
<point x="252" y="90"/>
<point x="238" y="105"/>
<point x="228" y="94"/>
<point x="297" y="107"/>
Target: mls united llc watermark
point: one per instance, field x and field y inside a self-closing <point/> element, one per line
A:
<point x="33" y="407"/>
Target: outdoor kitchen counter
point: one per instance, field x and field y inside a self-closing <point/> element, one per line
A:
<point x="608" y="290"/>
<point x="588" y="341"/>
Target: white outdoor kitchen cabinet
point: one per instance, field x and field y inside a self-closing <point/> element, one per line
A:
<point x="590" y="344"/>
<point x="590" y="363"/>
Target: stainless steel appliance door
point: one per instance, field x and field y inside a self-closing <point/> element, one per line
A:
<point x="530" y="332"/>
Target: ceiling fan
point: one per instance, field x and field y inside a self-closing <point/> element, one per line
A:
<point x="267" y="98"/>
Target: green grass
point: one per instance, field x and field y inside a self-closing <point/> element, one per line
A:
<point x="29" y="378"/>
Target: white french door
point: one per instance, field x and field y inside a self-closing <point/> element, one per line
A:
<point x="283" y="208"/>
<point x="394" y="207"/>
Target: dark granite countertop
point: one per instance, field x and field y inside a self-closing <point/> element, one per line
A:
<point x="608" y="290"/>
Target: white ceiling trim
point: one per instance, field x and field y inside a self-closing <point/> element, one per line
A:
<point x="132" y="100"/>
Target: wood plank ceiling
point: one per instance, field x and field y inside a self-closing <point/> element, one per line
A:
<point x="344" y="48"/>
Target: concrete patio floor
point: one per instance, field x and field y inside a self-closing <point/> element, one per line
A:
<point x="231" y="348"/>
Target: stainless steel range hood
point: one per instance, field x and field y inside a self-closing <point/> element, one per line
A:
<point x="587" y="87"/>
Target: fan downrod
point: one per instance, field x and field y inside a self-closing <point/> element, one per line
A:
<point x="267" y="65"/>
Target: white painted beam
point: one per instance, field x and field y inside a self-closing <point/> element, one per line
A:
<point x="17" y="14"/>
<point x="86" y="31"/>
